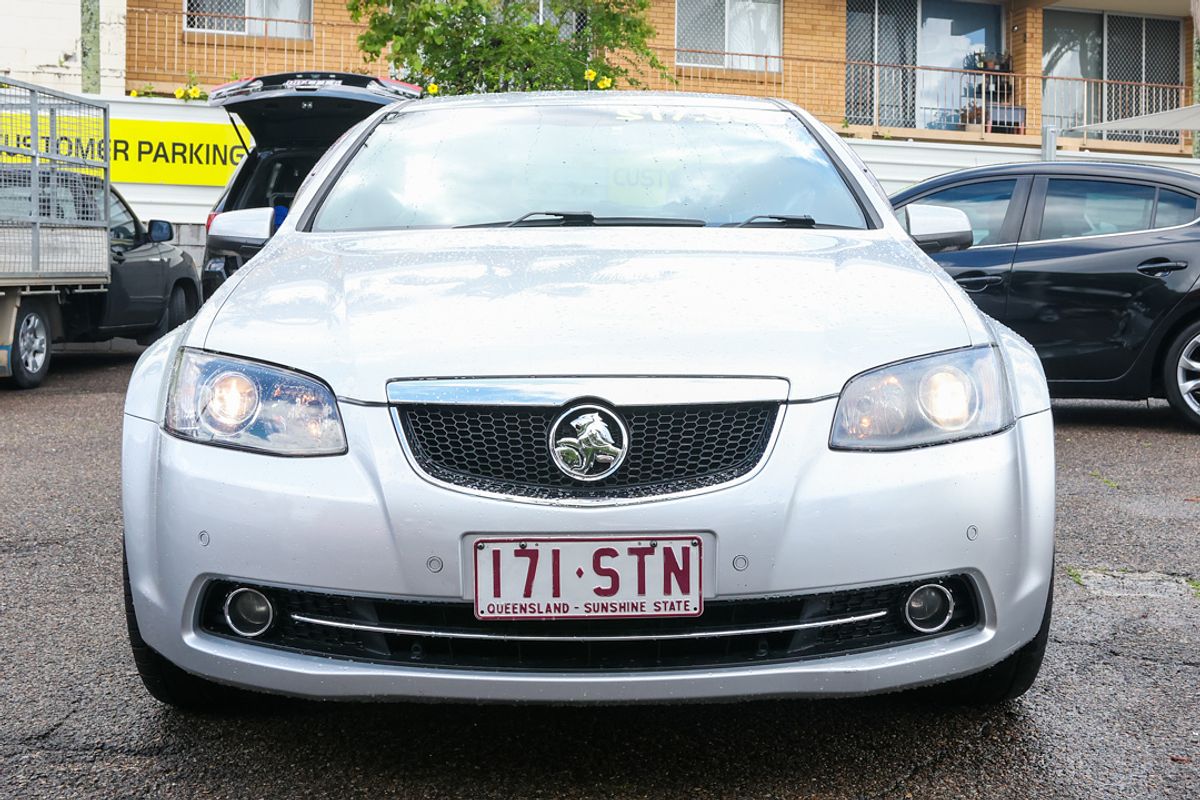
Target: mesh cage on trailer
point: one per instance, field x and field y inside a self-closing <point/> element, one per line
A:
<point x="54" y="179"/>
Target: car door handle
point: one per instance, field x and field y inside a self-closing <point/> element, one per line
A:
<point x="977" y="283"/>
<point x="1160" y="267"/>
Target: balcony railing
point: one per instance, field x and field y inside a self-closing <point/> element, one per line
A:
<point x="933" y="102"/>
<point x="164" y="47"/>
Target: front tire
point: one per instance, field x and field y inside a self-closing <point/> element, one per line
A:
<point x="1007" y="680"/>
<point x="29" y="358"/>
<point x="1181" y="374"/>
<point x="164" y="681"/>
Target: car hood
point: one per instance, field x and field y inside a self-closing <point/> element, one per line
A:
<point x="360" y="309"/>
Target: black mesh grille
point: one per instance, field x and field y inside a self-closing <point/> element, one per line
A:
<point x="506" y="450"/>
<point x="731" y="617"/>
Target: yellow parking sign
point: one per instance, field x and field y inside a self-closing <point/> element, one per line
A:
<point x="187" y="153"/>
<point x="143" y="151"/>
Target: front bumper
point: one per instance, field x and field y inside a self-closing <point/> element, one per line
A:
<point x="811" y="520"/>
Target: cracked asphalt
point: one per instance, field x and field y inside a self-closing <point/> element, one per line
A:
<point x="1116" y="712"/>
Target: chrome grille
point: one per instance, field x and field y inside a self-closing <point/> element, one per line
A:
<point x="505" y="449"/>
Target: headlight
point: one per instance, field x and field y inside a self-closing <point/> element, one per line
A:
<point x="929" y="400"/>
<point x="236" y="403"/>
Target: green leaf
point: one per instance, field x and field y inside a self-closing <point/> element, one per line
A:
<point x="499" y="45"/>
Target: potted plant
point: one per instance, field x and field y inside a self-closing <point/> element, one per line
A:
<point x="972" y="118"/>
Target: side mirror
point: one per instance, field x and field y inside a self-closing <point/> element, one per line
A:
<point x="158" y="230"/>
<point x="252" y="226"/>
<point x="937" y="229"/>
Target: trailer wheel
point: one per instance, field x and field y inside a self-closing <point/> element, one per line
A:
<point x="30" y="355"/>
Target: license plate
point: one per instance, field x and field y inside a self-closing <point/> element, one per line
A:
<point x="573" y="578"/>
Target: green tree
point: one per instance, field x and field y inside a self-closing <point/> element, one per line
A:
<point x="466" y="46"/>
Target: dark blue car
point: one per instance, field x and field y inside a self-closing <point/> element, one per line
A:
<point x="1096" y="264"/>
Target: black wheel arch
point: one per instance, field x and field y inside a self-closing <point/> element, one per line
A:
<point x="185" y="274"/>
<point x="1185" y="314"/>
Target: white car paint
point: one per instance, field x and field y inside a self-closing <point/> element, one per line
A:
<point x="814" y="308"/>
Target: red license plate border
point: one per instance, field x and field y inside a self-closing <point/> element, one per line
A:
<point x="695" y="539"/>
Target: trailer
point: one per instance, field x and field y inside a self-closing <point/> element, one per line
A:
<point x="75" y="262"/>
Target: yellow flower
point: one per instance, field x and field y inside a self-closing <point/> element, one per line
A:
<point x="432" y="88"/>
<point x="179" y="94"/>
<point x="589" y="75"/>
<point x="194" y="92"/>
<point x="604" y="82"/>
<point x="133" y="93"/>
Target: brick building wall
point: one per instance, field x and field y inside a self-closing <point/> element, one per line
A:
<point x="810" y="70"/>
<point x="161" y="52"/>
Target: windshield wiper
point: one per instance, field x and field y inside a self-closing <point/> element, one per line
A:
<point x="555" y="219"/>
<point x="786" y="221"/>
<point x="783" y="220"/>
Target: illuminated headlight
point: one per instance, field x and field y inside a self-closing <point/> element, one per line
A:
<point x="232" y="402"/>
<point x="930" y="400"/>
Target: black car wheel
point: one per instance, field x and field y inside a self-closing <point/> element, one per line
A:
<point x="166" y="682"/>
<point x="29" y="358"/>
<point x="1181" y="373"/>
<point x="175" y="314"/>
<point x="177" y="309"/>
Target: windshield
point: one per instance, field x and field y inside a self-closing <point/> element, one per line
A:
<point x="475" y="166"/>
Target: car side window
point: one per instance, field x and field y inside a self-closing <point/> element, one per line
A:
<point x="985" y="204"/>
<point x="1094" y="208"/>
<point x="122" y="227"/>
<point x="1174" y="208"/>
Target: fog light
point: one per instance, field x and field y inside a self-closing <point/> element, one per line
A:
<point x="248" y="612"/>
<point x="929" y="608"/>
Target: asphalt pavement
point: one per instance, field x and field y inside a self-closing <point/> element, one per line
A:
<point x="1116" y="712"/>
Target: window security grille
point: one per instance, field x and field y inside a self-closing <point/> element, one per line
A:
<point x="280" y="19"/>
<point x="569" y="24"/>
<point x="1141" y="50"/>
<point x="882" y="36"/>
<point x="730" y="34"/>
<point x="217" y="15"/>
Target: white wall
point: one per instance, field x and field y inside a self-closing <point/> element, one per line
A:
<point x="39" y="42"/>
<point x="898" y="164"/>
<point x="112" y="46"/>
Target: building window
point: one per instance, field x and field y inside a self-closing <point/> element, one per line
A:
<point x="952" y="32"/>
<point x="280" y="19"/>
<point x="569" y="24"/>
<point x="881" y="32"/>
<point x="733" y="34"/>
<point x="1128" y="52"/>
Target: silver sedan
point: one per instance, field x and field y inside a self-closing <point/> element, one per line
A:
<point x="599" y="397"/>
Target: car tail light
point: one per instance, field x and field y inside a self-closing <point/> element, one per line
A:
<point x="229" y="84"/>
<point x="208" y="222"/>
<point x="404" y="86"/>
